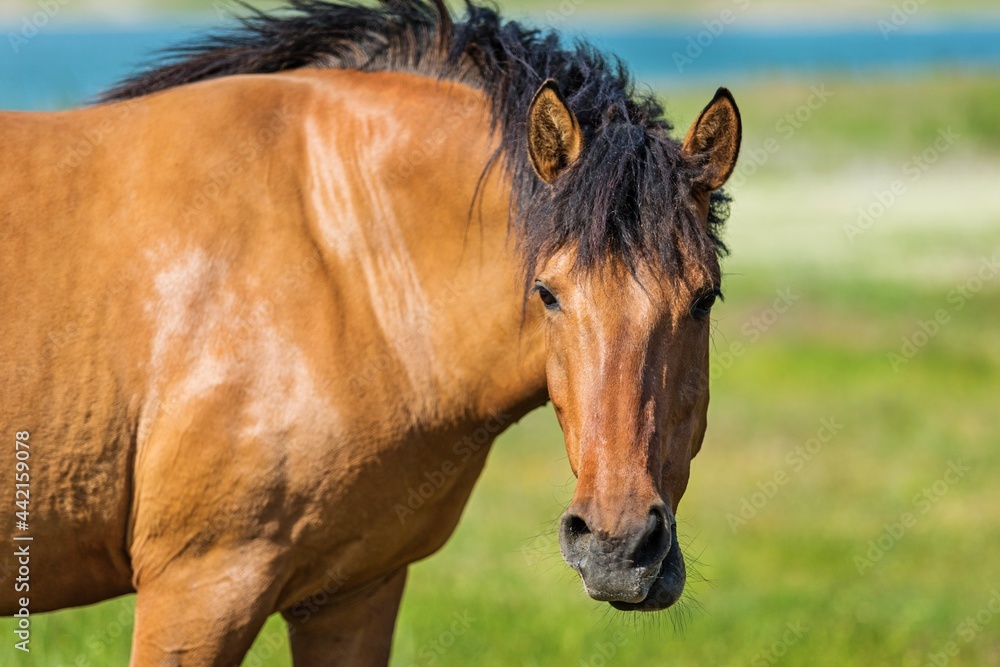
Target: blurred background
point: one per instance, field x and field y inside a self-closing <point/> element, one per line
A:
<point x="845" y="508"/>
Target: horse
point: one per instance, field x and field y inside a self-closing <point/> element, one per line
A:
<point x="260" y="294"/>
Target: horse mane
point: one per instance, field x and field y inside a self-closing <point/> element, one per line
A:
<point x="627" y="197"/>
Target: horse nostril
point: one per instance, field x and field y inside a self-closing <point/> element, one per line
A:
<point x="653" y="546"/>
<point x="576" y="526"/>
<point x="575" y="539"/>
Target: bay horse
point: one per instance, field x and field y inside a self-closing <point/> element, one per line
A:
<point x="263" y="295"/>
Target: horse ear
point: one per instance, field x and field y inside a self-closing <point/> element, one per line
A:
<point x="554" y="136"/>
<point x="715" y="138"/>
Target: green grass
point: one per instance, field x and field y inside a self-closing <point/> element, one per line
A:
<point x="794" y="560"/>
<point x="875" y="120"/>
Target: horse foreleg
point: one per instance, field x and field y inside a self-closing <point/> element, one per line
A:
<point x="202" y="611"/>
<point x="355" y="632"/>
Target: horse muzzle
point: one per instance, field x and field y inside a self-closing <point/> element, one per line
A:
<point x="638" y="567"/>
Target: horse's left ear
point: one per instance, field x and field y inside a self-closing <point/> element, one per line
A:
<point x="715" y="138"/>
<point x="554" y="137"/>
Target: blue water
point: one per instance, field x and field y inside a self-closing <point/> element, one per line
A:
<point x="61" y="68"/>
<point x="658" y="54"/>
<point x="56" y="69"/>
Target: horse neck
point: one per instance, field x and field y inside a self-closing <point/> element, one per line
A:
<point x="445" y="288"/>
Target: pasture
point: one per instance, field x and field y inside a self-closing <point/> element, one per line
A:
<point x="844" y="508"/>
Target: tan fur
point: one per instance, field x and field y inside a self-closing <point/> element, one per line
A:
<point x="246" y="324"/>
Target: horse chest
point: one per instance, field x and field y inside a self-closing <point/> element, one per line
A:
<point x="397" y="502"/>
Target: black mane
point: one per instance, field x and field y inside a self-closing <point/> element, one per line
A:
<point x="628" y="196"/>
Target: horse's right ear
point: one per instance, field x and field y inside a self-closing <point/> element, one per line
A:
<point x="554" y="136"/>
<point x="715" y="139"/>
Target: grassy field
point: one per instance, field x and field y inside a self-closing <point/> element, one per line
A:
<point x="838" y="123"/>
<point x="844" y="509"/>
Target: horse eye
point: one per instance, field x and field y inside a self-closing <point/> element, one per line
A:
<point x="703" y="305"/>
<point x="547" y="297"/>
